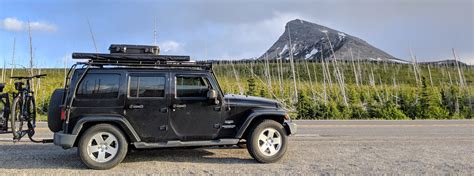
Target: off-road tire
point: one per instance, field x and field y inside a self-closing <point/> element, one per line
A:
<point x="94" y="130"/>
<point x="253" y="141"/>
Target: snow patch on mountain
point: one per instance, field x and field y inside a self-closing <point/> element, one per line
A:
<point x="312" y="53"/>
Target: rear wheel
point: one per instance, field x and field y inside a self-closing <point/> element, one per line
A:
<point x="31" y="109"/>
<point x="16" y="118"/>
<point x="267" y="141"/>
<point x="102" y="146"/>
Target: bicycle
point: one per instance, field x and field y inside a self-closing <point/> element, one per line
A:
<point x="4" y="110"/>
<point x="24" y="108"/>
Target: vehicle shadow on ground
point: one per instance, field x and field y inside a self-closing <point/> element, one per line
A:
<point x="48" y="156"/>
<point x="212" y="155"/>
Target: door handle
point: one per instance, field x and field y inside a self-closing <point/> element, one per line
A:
<point x="136" y="106"/>
<point x="164" y="110"/>
<point x="179" y="106"/>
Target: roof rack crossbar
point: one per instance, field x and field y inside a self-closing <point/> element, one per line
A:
<point x="129" y="57"/>
<point x="206" y="66"/>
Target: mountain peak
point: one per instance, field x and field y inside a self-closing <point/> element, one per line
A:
<point x="310" y="41"/>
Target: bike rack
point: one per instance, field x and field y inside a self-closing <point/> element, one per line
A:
<point x="25" y="132"/>
<point x="5" y="132"/>
<point x="4" y="97"/>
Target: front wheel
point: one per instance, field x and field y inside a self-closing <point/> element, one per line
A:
<point x="16" y="118"/>
<point x="267" y="141"/>
<point x="102" y="147"/>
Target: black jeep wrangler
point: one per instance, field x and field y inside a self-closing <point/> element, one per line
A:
<point x="136" y="98"/>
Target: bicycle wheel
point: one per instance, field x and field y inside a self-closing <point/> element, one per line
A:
<point x="31" y="110"/>
<point x="3" y="116"/>
<point x="16" y="118"/>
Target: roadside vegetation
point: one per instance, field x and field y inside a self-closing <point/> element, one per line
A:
<point x="373" y="91"/>
<point x="361" y="90"/>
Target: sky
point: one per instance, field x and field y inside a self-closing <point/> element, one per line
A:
<point x="220" y="29"/>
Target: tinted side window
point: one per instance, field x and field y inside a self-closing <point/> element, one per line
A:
<point x="99" y="86"/>
<point x="191" y="86"/>
<point x="147" y="86"/>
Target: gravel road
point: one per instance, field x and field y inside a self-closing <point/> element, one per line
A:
<point x="320" y="148"/>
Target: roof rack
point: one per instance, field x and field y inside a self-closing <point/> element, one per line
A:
<point x="129" y="57"/>
<point x="140" y="60"/>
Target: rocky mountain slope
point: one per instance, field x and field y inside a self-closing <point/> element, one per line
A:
<point x="309" y="41"/>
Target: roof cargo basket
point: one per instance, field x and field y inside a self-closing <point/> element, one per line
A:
<point x="138" y="56"/>
<point x="134" y="49"/>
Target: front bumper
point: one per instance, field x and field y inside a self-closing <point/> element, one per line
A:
<point x="64" y="140"/>
<point x="290" y="127"/>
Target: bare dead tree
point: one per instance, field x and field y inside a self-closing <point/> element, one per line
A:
<point x="292" y="65"/>
<point x="31" y="49"/>
<point x="279" y="72"/>
<point x="429" y="72"/>
<point x="359" y="70"/>
<point x="241" y="90"/>
<point x="338" y="73"/>
<point x="325" y="97"/>
<point x="268" y="73"/>
<point x="414" y="68"/>
<point x="354" y="68"/>
<point x="462" y="82"/>
<point x="65" y="69"/>
<point x="3" y="70"/>
<point x="310" y="79"/>
<point x="13" y="60"/>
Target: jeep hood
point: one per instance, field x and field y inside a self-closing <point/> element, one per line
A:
<point x="250" y="101"/>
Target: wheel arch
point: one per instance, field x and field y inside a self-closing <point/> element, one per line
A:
<point x="120" y="122"/>
<point x="258" y="115"/>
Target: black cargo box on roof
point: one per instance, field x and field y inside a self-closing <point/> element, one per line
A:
<point x="134" y="49"/>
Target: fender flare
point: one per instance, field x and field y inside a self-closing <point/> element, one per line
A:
<point x="120" y="120"/>
<point x="254" y="114"/>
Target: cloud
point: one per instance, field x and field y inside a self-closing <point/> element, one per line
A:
<point x="468" y="59"/>
<point x="170" y="46"/>
<point x="252" y="38"/>
<point x="16" y="25"/>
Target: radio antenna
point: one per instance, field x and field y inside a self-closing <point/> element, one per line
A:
<point x="92" y="34"/>
<point x="154" y="31"/>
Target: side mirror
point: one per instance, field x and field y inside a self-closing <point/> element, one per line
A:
<point x="212" y="94"/>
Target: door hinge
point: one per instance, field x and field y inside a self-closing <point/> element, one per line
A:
<point x="217" y="126"/>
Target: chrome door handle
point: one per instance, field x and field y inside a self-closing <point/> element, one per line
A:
<point x="136" y="106"/>
<point x="179" y="106"/>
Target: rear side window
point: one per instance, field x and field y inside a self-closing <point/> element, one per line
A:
<point x="188" y="86"/>
<point x="147" y="86"/>
<point x="96" y="86"/>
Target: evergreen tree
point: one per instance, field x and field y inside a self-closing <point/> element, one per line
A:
<point x="252" y="87"/>
<point x="263" y="92"/>
<point x="430" y="104"/>
<point x="304" y="107"/>
<point x="333" y="111"/>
